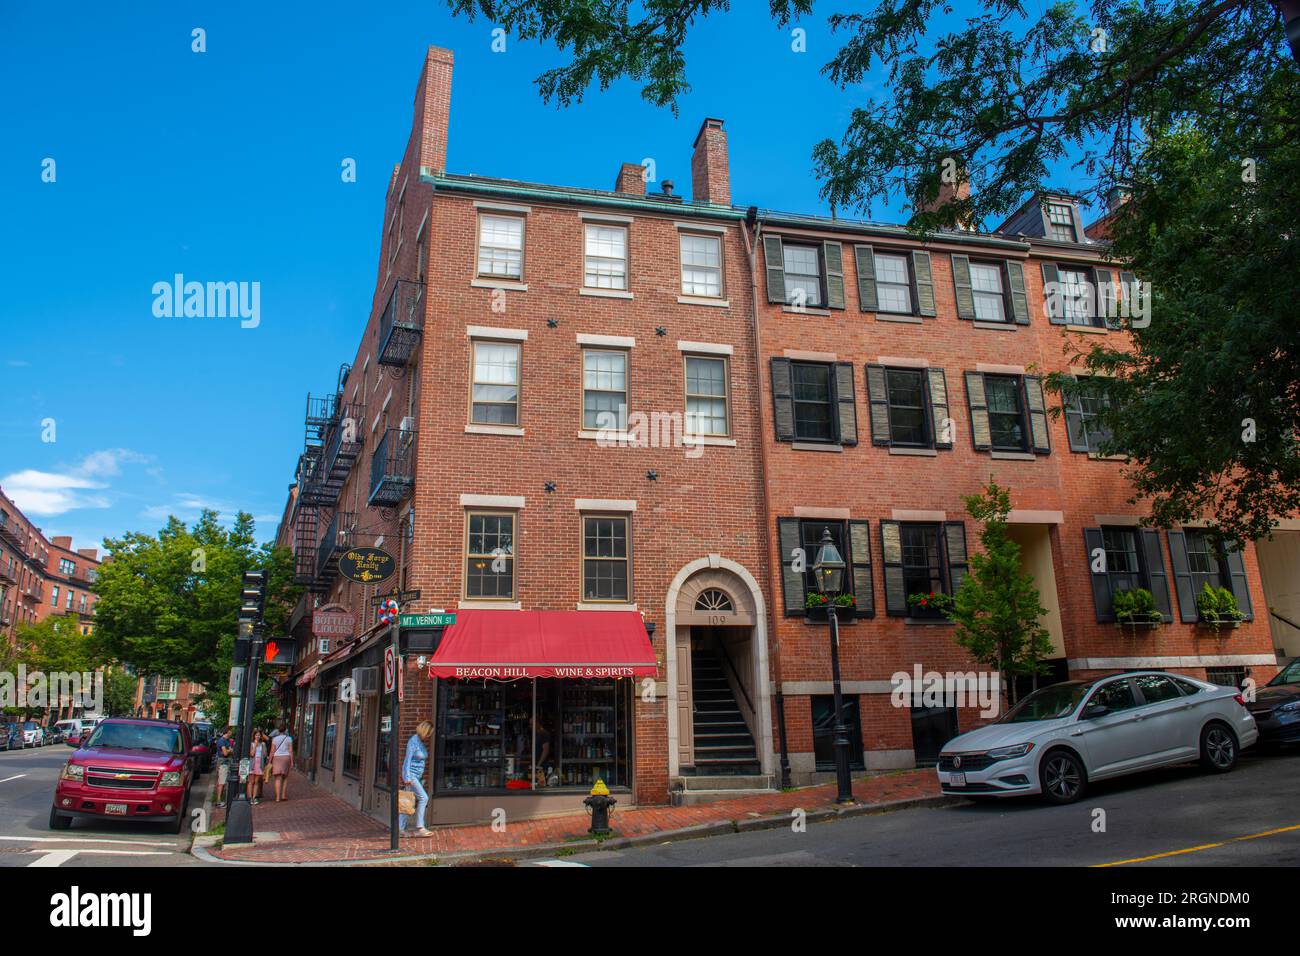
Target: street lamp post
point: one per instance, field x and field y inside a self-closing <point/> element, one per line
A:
<point x="828" y="572"/>
<point x="239" y="812"/>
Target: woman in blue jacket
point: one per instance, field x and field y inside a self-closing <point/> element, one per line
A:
<point x="417" y="758"/>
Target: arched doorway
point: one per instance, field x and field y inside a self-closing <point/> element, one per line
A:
<point x="717" y="670"/>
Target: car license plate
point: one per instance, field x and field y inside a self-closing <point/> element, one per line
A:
<point x="956" y="780"/>
<point x="118" y="809"/>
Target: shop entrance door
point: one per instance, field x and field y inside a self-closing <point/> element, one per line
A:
<point x="932" y="727"/>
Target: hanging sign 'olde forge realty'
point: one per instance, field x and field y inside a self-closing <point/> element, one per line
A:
<point x="366" y="565"/>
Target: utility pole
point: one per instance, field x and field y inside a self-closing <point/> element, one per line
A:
<point x="252" y="603"/>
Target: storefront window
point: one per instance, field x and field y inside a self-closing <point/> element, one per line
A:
<point x="384" y="750"/>
<point x="331" y="730"/>
<point x="352" y="741"/>
<point x="540" y="734"/>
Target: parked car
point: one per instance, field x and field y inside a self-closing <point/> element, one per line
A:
<point x="202" y="746"/>
<point x="127" y="769"/>
<point x="9" y="737"/>
<point x="77" y="729"/>
<point x="1276" y="707"/>
<point x="1061" y="738"/>
<point x="54" y="735"/>
<point x="31" y="734"/>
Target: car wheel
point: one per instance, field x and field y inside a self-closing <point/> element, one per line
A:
<point x="1062" y="777"/>
<point x="183" y="815"/>
<point x="1218" y="749"/>
<point x="58" y="821"/>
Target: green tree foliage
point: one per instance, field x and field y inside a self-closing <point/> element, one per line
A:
<point x="56" y="644"/>
<point x="997" y="609"/>
<point x="119" y="693"/>
<point x="168" y="602"/>
<point x="1169" y="96"/>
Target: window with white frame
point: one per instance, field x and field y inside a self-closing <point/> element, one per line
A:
<point x="605" y="259"/>
<point x="1076" y="297"/>
<point x="706" y="395"/>
<point x="893" y="287"/>
<point x="1060" y="222"/>
<point x="986" y="287"/>
<point x="501" y="246"/>
<point x="604" y="389"/>
<point x="495" y="389"/>
<point x="701" y="265"/>
<point x="803" y="274"/>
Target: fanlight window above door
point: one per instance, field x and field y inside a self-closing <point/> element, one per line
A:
<point x="713" y="599"/>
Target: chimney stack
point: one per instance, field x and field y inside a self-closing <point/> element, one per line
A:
<point x="433" y="109"/>
<point x="62" y="541"/>
<point x="710" y="171"/>
<point x="631" y="180"/>
<point x="960" y="190"/>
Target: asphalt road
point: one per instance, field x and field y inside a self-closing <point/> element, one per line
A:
<point x="27" y="779"/>
<point x="1172" y="817"/>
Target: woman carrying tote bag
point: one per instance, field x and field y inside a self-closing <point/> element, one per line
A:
<point x="281" y="761"/>
<point x="413" y="799"/>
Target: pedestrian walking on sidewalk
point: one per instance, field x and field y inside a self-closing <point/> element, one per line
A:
<point x="225" y="756"/>
<point x="257" y="752"/>
<point x="281" y="761"/>
<point x="417" y="758"/>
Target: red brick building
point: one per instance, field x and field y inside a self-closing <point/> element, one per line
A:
<point x="588" y="419"/>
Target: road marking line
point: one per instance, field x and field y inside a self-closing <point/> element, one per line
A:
<point x="1197" y="849"/>
<point x="559" y="863"/>
<point x="54" y="858"/>
<point x="14" y="777"/>
<point x="36" y="839"/>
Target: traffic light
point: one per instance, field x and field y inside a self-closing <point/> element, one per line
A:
<point x="252" y="602"/>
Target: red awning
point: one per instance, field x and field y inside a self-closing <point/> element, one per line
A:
<point x="507" y="644"/>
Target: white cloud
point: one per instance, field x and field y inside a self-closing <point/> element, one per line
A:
<point x="48" y="493"/>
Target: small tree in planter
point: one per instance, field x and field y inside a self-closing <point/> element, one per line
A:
<point x="1135" y="608"/>
<point x="1218" y="606"/>
<point x="997" y="608"/>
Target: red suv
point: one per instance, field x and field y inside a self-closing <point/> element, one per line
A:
<point x="128" y="769"/>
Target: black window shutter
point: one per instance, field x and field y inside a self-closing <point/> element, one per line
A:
<point x="783" y="399"/>
<point x="1101" y="596"/>
<point x="891" y="551"/>
<point x="860" y="565"/>
<point x="922" y="284"/>
<point x="774" y="264"/>
<point x="940" y="422"/>
<point x="1052" y="300"/>
<point x="1237" y="574"/>
<point x="864" y="264"/>
<point x="981" y="438"/>
<point x="1036" y="408"/>
<point x="1106" y="300"/>
<point x="878" y="400"/>
<point x="833" y="267"/>
<point x="954" y="547"/>
<point x="792" y="581"/>
<point x="845" y="402"/>
<point x="1187" y="612"/>
<point x="1017" y="299"/>
<point x="1157" y="580"/>
<point x="1126" y="282"/>
<point x="1074" y="420"/>
<point x="961" y="287"/>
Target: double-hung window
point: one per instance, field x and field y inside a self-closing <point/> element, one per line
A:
<point x="495" y="390"/>
<point x="986" y="288"/>
<point x="490" y="556"/>
<point x="1085" y="403"/>
<point x="1006" y="413"/>
<point x="606" y="559"/>
<point x="893" y="284"/>
<point x="1198" y="559"/>
<point x="701" y="265"/>
<point x="1077" y="298"/>
<point x="814" y="402"/>
<point x="706" y="396"/>
<point x="1122" y="558"/>
<point x="803" y="275"/>
<point x="500" y="246"/>
<point x="604" y="389"/>
<point x="921" y="558"/>
<point x="908" y="409"/>
<point x="1060" y="222"/>
<point x="67" y="568"/>
<point x="605" y="258"/>
<point x="800" y="541"/>
<point x="54" y="596"/>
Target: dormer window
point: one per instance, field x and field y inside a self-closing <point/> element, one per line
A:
<point x="1060" y="222"/>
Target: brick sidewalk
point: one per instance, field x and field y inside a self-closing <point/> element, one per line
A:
<point x="317" y="827"/>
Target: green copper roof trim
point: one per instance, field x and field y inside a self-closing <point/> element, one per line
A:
<point x="559" y="194"/>
<point x="884" y="229"/>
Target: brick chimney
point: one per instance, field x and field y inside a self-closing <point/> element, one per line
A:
<point x="631" y="179"/>
<point x="949" y="192"/>
<point x="710" y="171"/>
<point x="433" y="109"/>
<point x="92" y="553"/>
<point x="62" y="541"/>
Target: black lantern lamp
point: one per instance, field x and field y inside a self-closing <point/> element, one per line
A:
<point x="828" y="569"/>
<point x="828" y="572"/>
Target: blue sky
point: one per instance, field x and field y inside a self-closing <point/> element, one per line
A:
<point x="225" y="166"/>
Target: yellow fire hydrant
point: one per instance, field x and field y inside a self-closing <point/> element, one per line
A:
<point x="599" y="805"/>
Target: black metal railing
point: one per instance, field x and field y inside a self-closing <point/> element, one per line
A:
<point x="392" y="467"/>
<point x="336" y="540"/>
<point x="343" y="441"/>
<point x="402" y="323"/>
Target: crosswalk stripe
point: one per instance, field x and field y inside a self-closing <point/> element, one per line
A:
<point x="560" y="863"/>
<point x="73" y="839"/>
<point x="53" y="858"/>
